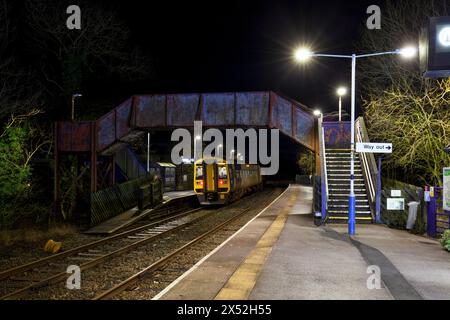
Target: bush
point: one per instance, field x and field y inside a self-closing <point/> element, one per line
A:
<point x="20" y="140"/>
<point x="445" y="240"/>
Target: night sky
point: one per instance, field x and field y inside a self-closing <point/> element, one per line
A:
<point x="217" y="46"/>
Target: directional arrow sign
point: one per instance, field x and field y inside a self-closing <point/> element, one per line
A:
<point x="366" y="147"/>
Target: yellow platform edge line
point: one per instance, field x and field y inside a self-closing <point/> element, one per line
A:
<point x="241" y="283"/>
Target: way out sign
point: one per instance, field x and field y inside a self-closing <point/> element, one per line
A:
<point x="366" y="147"/>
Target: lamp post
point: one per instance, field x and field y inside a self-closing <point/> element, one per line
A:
<point x="319" y="114"/>
<point x="341" y="92"/>
<point x="148" y="152"/>
<point x="303" y="55"/>
<point x="74" y="96"/>
<point x="197" y="138"/>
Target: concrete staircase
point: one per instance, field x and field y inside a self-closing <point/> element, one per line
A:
<point x="338" y="173"/>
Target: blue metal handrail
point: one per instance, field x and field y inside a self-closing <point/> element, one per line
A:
<point x="323" y="175"/>
<point x="368" y="164"/>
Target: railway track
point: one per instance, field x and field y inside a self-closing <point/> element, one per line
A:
<point x="156" y="266"/>
<point x="145" y="248"/>
<point x="21" y="280"/>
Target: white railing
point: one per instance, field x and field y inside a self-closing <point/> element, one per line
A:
<point x="370" y="169"/>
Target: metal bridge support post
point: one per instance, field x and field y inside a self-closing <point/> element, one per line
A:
<point x="431" y="217"/>
<point x="93" y="157"/>
<point x="57" y="177"/>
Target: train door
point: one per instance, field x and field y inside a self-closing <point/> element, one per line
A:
<point x="210" y="177"/>
<point x="199" y="178"/>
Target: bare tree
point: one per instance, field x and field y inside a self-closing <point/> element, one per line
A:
<point x="42" y="62"/>
<point x="419" y="127"/>
<point x="102" y="42"/>
<point x="400" y="106"/>
<point x="19" y="89"/>
<point x="402" y="22"/>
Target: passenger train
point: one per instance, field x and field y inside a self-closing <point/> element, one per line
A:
<point x="222" y="182"/>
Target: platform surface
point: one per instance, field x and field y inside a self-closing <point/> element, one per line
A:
<point x="282" y="255"/>
<point x="131" y="216"/>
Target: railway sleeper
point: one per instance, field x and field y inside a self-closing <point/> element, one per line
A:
<point x="25" y="279"/>
<point x="78" y="258"/>
<point x="88" y="254"/>
<point x="137" y="237"/>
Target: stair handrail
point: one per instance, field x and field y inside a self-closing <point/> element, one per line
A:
<point x="323" y="171"/>
<point x="138" y="161"/>
<point x="123" y="163"/>
<point x="370" y="169"/>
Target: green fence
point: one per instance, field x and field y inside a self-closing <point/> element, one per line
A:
<point x="110" y="202"/>
<point x="184" y="177"/>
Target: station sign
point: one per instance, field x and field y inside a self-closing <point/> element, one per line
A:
<point x="396" y="193"/>
<point x="367" y="147"/>
<point x="395" y="204"/>
<point x="434" y="47"/>
<point x="446" y="191"/>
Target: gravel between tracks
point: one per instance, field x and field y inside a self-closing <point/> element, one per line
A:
<point x="151" y="285"/>
<point x="14" y="256"/>
<point x="112" y="272"/>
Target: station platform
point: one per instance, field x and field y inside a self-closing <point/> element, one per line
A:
<point x="282" y="255"/>
<point x="129" y="217"/>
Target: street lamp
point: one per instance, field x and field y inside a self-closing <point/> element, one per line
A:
<point x="318" y="113"/>
<point x="342" y="91"/>
<point x="305" y="54"/>
<point x="74" y="96"/>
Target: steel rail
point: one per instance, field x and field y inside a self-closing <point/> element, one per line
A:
<point x="156" y="265"/>
<point x="25" y="267"/>
<point x="62" y="275"/>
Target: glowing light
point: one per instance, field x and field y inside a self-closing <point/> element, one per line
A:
<point x="317" y="113"/>
<point x="303" y="54"/>
<point x="444" y="37"/>
<point x="341" y="91"/>
<point x="408" y="52"/>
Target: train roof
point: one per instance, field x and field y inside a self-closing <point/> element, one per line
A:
<point x="215" y="160"/>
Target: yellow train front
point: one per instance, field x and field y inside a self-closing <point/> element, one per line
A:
<point x="221" y="182"/>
